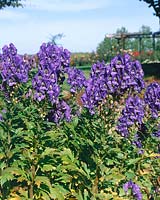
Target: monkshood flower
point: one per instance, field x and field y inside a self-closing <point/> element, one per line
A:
<point x="152" y="98"/>
<point x="131" y="114"/>
<point x="157" y="133"/>
<point x="95" y="87"/>
<point x="135" y="190"/>
<point x="139" y="137"/>
<point x="53" y="61"/>
<point x="98" y="70"/>
<point x="61" y="111"/>
<point x="45" y="86"/>
<point x="54" y="57"/>
<point x="89" y="99"/>
<point x="14" y="68"/>
<point x="76" y="79"/>
<point x="138" y="143"/>
<point x="1" y="115"/>
<point x="124" y="74"/>
<point x="121" y="75"/>
<point x="31" y="60"/>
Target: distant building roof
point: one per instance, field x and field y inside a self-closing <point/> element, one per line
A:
<point x="132" y="35"/>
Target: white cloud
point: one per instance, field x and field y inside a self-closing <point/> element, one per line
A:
<point x="67" y="5"/>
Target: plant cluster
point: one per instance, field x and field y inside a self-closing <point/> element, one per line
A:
<point x="106" y="145"/>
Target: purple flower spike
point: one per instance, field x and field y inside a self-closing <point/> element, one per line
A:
<point x="157" y="133"/>
<point x="14" y="68"/>
<point x="54" y="57"/>
<point x="60" y="112"/>
<point x="96" y="89"/>
<point x="125" y="74"/>
<point x="132" y="113"/>
<point x="152" y="98"/>
<point x="120" y="76"/>
<point x="1" y="114"/>
<point x="1" y="117"/>
<point x="76" y="79"/>
<point x="53" y="61"/>
<point x="137" y="142"/>
<point x="135" y="189"/>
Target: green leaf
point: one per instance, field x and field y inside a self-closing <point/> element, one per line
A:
<point x="79" y="196"/>
<point x="48" y="152"/>
<point x="5" y="177"/>
<point x="120" y="155"/>
<point x="130" y="175"/>
<point x="121" y="192"/>
<point x="48" y="168"/>
<point x="75" y="121"/>
<point x="64" y="178"/>
<point x="110" y="162"/>
<point x="2" y="165"/>
<point x="67" y="156"/>
<point x="61" y="189"/>
<point x="42" y="179"/>
<point x="133" y="161"/>
<point x="2" y="155"/>
<point x="44" y="195"/>
<point x="53" y="134"/>
<point x="56" y="194"/>
<point x="86" y="195"/>
<point x="30" y="125"/>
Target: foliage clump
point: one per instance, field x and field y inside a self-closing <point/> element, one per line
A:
<point x="106" y="146"/>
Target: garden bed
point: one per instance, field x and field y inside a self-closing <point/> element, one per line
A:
<point x="64" y="136"/>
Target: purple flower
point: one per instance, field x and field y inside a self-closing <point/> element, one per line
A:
<point x="1" y="117"/>
<point x="125" y="74"/>
<point x="157" y="133"/>
<point x="1" y="114"/>
<point x="120" y="76"/>
<point x="53" y="61"/>
<point x="135" y="189"/>
<point x="132" y="113"/>
<point x="61" y="111"/>
<point x="53" y="92"/>
<point x="76" y="79"/>
<point x="137" y="141"/>
<point x="39" y="96"/>
<point x="30" y="60"/>
<point x="54" y="57"/>
<point x="14" y="68"/>
<point x="96" y="89"/>
<point x="152" y="98"/>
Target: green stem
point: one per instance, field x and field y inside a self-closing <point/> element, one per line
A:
<point x="31" y="186"/>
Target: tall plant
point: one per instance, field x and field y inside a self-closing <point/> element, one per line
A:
<point x="103" y="145"/>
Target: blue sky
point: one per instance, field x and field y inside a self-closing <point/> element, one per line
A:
<point x="84" y="23"/>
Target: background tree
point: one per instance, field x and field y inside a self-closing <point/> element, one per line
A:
<point x="146" y="42"/>
<point x="121" y="30"/>
<point x="109" y="46"/>
<point x="53" y="38"/>
<point x="155" y="4"/>
<point x="105" y="48"/>
<point x="10" y="3"/>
